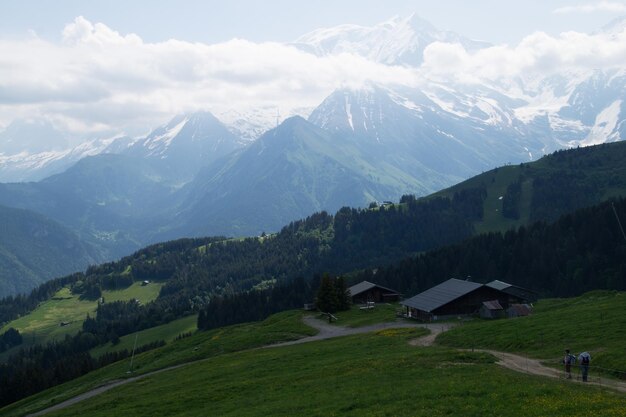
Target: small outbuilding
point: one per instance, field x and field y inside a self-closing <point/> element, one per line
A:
<point x="491" y="310"/>
<point x="365" y="292"/>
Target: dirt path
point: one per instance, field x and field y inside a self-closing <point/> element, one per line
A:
<point x="327" y="331"/>
<point x="535" y="367"/>
<point x="103" y="388"/>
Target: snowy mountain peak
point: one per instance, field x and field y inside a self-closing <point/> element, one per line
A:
<point x="359" y="112"/>
<point x="397" y="41"/>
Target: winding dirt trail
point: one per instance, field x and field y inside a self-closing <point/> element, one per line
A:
<point x="535" y="367"/>
<point x="327" y="331"/>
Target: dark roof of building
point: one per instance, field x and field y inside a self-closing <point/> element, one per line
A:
<point x="492" y="305"/>
<point x="441" y="294"/>
<point x="514" y="290"/>
<point x="498" y="285"/>
<point x="366" y="286"/>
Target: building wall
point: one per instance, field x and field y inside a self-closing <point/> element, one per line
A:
<point x="374" y="294"/>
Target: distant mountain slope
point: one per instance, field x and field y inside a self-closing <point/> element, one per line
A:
<point x="291" y="171"/>
<point x="411" y="132"/>
<point x="548" y="188"/>
<point x="34" y="249"/>
<point x="183" y="146"/>
<point x="106" y="199"/>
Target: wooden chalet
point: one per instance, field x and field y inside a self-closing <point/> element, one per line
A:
<point x="365" y="292"/>
<point x="454" y="297"/>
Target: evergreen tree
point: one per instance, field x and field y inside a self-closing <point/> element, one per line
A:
<point x="327" y="300"/>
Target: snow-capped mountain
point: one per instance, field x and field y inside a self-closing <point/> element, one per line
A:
<point x="179" y="148"/>
<point x="31" y="151"/>
<point x="185" y="144"/>
<point x="438" y="136"/>
<point x="398" y="41"/>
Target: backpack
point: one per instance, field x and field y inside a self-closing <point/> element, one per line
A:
<point x="585" y="360"/>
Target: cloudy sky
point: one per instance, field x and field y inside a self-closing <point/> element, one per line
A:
<point x="94" y="67"/>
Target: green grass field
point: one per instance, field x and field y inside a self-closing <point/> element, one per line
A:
<point x="277" y="328"/>
<point x="44" y="323"/>
<point x="355" y="317"/>
<point x="377" y="374"/>
<point x="166" y="332"/>
<point x="593" y="322"/>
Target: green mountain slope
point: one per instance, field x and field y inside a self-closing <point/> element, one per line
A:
<point x="290" y="172"/>
<point x="34" y="249"/>
<point x="554" y="185"/>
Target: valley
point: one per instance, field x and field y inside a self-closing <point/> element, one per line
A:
<point x="252" y="209"/>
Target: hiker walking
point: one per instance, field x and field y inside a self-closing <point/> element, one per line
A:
<point x="584" y="359"/>
<point x="568" y="361"/>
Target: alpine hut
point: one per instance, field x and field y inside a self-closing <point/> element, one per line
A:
<point x="365" y="291"/>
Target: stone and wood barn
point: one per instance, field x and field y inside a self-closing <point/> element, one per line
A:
<point x="455" y="297"/>
<point x="365" y="291"/>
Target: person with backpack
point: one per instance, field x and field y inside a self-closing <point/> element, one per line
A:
<point x="584" y="359"/>
<point x="568" y="361"/>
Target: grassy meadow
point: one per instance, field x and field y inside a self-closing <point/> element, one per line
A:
<point x="44" y="323"/>
<point x="277" y="328"/>
<point x="594" y="322"/>
<point x="355" y="317"/>
<point x="166" y="332"/>
<point x="376" y="374"/>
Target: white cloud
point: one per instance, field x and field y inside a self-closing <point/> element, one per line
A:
<point x="97" y="79"/>
<point x="601" y="6"/>
<point x="537" y="54"/>
<point x="103" y="79"/>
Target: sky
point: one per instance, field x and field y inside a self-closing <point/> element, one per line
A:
<point x="497" y="21"/>
<point x="97" y="67"/>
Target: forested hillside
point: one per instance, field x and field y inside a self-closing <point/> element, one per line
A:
<point x="556" y="184"/>
<point x="34" y="249"/>
<point x="580" y="252"/>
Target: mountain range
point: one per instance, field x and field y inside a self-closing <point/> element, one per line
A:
<point x="197" y="176"/>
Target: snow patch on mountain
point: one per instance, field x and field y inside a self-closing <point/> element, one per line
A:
<point x="605" y="128"/>
<point x="160" y="140"/>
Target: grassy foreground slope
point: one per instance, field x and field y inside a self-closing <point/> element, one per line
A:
<point x="277" y="328"/>
<point x="376" y="374"/>
<point x="593" y="322"/>
<point x="165" y="332"/>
